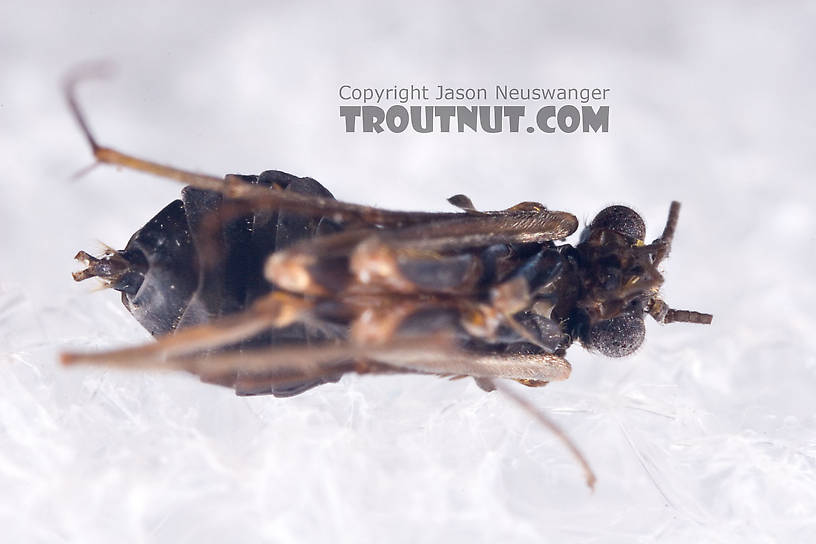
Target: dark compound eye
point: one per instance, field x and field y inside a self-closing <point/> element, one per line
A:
<point x="619" y="336"/>
<point x="622" y="220"/>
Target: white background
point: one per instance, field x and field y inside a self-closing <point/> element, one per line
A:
<point x="706" y="434"/>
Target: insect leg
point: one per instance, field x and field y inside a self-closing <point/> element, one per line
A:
<point x="412" y="336"/>
<point x="234" y="187"/>
<point x="515" y="295"/>
<point x="376" y="258"/>
<point x="482" y="230"/>
<point x="273" y="311"/>
<point x="111" y="156"/>
<point x="547" y="422"/>
<point x="428" y="354"/>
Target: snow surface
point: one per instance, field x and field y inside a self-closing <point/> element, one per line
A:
<point x="706" y="434"/>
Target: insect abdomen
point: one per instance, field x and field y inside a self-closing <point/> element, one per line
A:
<point x="203" y="259"/>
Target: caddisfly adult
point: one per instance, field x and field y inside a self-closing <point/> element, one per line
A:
<point x="267" y="284"/>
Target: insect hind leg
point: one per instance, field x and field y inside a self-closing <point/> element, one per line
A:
<point x="277" y="310"/>
<point x="111" y="156"/>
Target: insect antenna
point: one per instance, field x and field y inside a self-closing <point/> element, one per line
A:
<point x="687" y="316"/>
<point x="545" y="420"/>
<point x="658" y="309"/>
<point x="664" y="242"/>
<point x="664" y="314"/>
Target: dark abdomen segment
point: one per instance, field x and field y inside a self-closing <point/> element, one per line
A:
<point x="204" y="259"/>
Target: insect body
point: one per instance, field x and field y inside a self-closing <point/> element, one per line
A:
<point x="268" y="285"/>
<point x="495" y="282"/>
